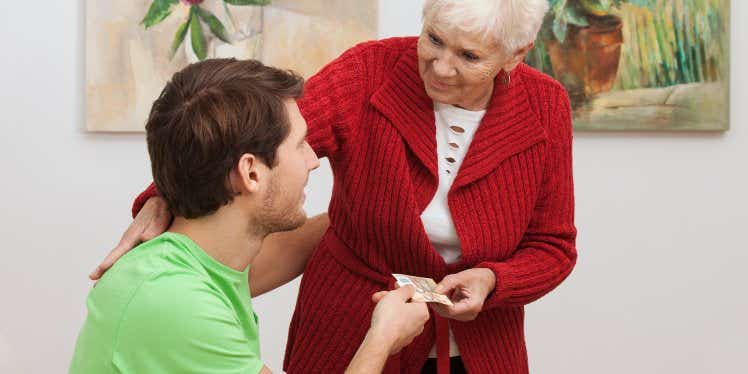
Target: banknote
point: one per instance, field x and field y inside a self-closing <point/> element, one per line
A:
<point x="424" y="289"/>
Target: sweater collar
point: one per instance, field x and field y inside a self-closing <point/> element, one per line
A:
<point x="508" y="127"/>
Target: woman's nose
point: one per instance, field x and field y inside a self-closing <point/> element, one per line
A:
<point x="443" y="67"/>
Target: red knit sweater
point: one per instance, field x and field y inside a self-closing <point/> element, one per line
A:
<point x="512" y="203"/>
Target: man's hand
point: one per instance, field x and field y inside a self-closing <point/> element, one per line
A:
<point x="468" y="290"/>
<point x="150" y="222"/>
<point x="395" y="320"/>
<point x="394" y="324"/>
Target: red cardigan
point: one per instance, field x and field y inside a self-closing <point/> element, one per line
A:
<point x="512" y="202"/>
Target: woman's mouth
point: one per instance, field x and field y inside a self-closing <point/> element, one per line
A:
<point x="439" y="85"/>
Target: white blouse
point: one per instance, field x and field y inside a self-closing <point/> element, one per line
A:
<point x="455" y="128"/>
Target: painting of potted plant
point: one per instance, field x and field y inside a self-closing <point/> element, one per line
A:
<point x="659" y="65"/>
<point x="584" y="44"/>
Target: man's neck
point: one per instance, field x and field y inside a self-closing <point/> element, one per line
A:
<point x="225" y="235"/>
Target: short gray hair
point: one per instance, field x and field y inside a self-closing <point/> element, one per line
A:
<point x="511" y="23"/>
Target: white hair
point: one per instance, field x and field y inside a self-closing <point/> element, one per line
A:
<point x="511" y="23"/>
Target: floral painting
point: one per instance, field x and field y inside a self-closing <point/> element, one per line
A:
<point x="640" y="65"/>
<point x="134" y="46"/>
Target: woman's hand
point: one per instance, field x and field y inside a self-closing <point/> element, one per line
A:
<point x="468" y="290"/>
<point x="150" y="222"/>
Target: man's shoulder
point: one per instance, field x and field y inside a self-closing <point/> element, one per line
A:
<point x="133" y="309"/>
<point x="177" y="294"/>
<point x="156" y="258"/>
<point x="179" y="320"/>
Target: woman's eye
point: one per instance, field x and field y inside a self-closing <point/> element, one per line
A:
<point x="470" y="56"/>
<point x="435" y="40"/>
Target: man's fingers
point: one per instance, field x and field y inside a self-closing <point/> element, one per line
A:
<point x="405" y="293"/>
<point x="376" y="297"/>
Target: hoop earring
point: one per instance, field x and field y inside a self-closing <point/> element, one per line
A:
<point x="506" y="78"/>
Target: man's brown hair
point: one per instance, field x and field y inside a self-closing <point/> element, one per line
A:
<point x="206" y="117"/>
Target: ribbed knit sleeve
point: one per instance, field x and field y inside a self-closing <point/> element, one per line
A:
<point x="547" y="252"/>
<point x="149" y="192"/>
<point x="332" y="102"/>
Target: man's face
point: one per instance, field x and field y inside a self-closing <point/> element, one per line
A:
<point x="283" y="203"/>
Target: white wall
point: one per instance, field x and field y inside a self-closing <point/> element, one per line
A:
<point x="660" y="286"/>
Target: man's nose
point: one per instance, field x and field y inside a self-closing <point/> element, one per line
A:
<point x="314" y="162"/>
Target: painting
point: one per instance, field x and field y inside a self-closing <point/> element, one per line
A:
<point x="134" y="46"/>
<point x="639" y="65"/>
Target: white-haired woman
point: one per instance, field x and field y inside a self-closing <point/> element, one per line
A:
<point x="451" y="160"/>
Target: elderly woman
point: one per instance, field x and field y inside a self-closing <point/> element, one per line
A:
<point x="451" y="160"/>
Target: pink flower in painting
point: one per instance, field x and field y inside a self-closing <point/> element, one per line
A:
<point x="192" y="2"/>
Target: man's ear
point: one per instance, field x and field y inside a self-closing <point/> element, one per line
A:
<point x="247" y="174"/>
<point x="518" y="56"/>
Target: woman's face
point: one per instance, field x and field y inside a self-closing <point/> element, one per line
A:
<point x="456" y="67"/>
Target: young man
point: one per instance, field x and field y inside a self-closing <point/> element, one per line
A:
<point x="228" y="153"/>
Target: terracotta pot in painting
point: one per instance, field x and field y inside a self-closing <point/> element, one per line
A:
<point x="587" y="62"/>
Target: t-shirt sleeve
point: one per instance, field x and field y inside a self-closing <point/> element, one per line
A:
<point x="333" y="101"/>
<point x="182" y="325"/>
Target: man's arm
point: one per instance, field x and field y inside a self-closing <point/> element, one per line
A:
<point x="284" y="255"/>
<point x="371" y="355"/>
<point x="394" y="324"/>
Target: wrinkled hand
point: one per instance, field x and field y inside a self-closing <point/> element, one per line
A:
<point x="468" y="290"/>
<point x="152" y="220"/>
<point x="395" y="320"/>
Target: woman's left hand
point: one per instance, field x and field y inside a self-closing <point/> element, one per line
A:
<point x="468" y="290"/>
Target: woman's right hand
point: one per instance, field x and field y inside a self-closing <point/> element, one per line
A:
<point x="150" y="222"/>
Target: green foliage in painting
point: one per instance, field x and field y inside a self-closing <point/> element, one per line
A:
<point x="564" y="13"/>
<point x="678" y="42"/>
<point x="215" y="25"/>
<point x="179" y="37"/>
<point x="196" y="36"/>
<point x="159" y="10"/>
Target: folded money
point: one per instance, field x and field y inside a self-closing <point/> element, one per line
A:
<point x="425" y="289"/>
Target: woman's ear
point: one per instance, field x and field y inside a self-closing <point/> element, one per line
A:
<point x="518" y="56"/>
<point x="247" y="174"/>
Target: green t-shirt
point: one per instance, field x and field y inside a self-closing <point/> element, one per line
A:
<point x="168" y="307"/>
